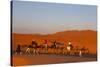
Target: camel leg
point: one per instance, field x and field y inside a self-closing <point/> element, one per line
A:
<point x="27" y="50"/>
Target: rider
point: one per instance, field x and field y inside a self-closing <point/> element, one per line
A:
<point x="34" y="44"/>
<point x="46" y="43"/>
<point x="69" y="46"/>
<point x="55" y="45"/>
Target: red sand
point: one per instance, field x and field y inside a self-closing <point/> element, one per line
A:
<point x="47" y="59"/>
<point x="85" y="38"/>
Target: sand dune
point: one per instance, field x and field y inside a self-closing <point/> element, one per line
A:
<point x="82" y="38"/>
<point x="87" y="38"/>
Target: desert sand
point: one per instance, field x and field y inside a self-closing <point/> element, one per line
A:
<point x="87" y="38"/>
<point x="23" y="60"/>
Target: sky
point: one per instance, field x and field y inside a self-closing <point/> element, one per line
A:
<point x="47" y="18"/>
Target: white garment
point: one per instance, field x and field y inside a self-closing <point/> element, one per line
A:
<point x="68" y="48"/>
<point x="80" y="53"/>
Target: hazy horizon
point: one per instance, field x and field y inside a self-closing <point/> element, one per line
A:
<point x="48" y="18"/>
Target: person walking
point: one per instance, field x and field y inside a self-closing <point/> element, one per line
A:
<point x="18" y="50"/>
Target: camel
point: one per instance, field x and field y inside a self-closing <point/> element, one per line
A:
<point x="35" y="48"/>
<point x="32" y="48"/>
<point x="69" y="48"/>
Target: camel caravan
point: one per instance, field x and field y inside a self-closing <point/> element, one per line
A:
<point x="54" y="48"/>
